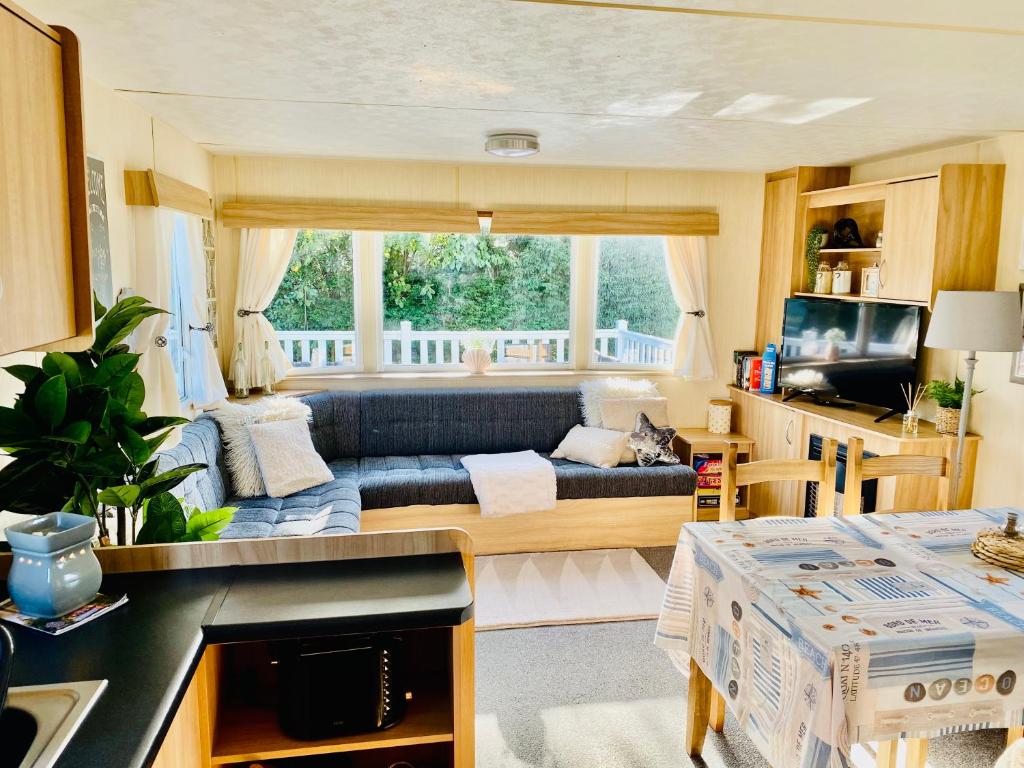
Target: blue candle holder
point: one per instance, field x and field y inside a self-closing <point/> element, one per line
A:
<point x="53" y="569"/>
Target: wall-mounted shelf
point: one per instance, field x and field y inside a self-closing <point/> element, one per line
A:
<point x="857" y="298"/>
<point x="850" y="250"/>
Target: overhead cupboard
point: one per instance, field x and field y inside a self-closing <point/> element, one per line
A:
<point x="45" y="287"/>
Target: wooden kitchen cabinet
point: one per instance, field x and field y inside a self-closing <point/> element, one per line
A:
<point x="45" y="291"/>
<point x="908" y="251"/>
<point x="777" y="434"/>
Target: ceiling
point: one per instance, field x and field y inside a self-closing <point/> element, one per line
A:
<point x="702" y="84"/>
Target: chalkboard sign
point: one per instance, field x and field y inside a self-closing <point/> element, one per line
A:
<point x="99" y="233"/>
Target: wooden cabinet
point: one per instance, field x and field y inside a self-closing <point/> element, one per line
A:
<point x="908" y="251"/>
<point x="44" y="277"/>
<point x="782" y="242"/>
<point x="784" y="430"/>
<point x="778" y="433"/>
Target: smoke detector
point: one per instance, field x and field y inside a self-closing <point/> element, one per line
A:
<point x="512" y="144"/>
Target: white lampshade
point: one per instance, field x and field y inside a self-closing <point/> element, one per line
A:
<point x="982" y="321"/>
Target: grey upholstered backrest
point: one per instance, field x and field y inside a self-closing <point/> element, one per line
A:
<point x="460" y="421"/>
<point x="335" y="426"/>
<point x="200" y="443"/>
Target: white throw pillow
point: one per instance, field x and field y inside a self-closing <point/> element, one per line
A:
<point x="592" y="445"/>
<point x="234" y="420"/>
<point x="593" y="392"/>
<point x="287" y="460"/>
<point x="619" y="413"/>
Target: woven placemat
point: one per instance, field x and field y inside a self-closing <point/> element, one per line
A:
<point x="996" y="548"/>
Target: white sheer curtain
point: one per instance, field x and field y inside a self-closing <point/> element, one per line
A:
<point x="154" y="235"/>
<point x="205" y="384"/>
<point x="262" y="260"/>
<point x="686" y="259"/>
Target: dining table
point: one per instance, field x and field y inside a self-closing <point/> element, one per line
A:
<point x="827" y="632"/>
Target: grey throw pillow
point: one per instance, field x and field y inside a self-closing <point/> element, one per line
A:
<point x="653" y="445"/>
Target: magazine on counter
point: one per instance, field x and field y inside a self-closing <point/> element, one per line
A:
<point x="95" y="608"/>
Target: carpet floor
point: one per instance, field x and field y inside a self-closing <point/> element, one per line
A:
<point x="602" y="696"/>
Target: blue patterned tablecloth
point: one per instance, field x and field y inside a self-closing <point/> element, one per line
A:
<point x="826" y="632"/>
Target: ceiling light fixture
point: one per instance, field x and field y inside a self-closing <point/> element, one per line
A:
<point x="512" y="144"/>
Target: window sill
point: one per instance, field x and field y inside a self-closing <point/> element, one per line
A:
<point x="326" y="380"/>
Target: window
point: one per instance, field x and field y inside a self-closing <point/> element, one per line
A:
<point x="636" y="312"/>
<point x="314" y="309"/>
<point x="177" y="334"/>
<point x="443" y="291"/>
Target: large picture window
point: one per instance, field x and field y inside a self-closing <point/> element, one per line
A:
<point x="314" y="309"/>
<point x="636" y="312"/>
<point x="444" y="291"/>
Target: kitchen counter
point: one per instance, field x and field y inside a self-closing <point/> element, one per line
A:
<point x="149" y="649"/>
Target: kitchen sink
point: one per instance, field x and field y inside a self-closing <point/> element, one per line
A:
<point x="39" y="720"/>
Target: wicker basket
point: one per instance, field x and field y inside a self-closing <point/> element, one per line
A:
<point x="947" y="420"/>
<point x="1002" y="548"/>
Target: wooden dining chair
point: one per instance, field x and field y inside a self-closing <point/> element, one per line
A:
<point x="860" y="469"/>
<point x="821" y="471"/>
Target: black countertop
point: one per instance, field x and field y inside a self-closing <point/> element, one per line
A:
<point x="148" y="649"/>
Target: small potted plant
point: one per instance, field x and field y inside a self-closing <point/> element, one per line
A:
<point x="949" y="398"/>
<point x="815" y="241"/>
<point x="476" y="354"/>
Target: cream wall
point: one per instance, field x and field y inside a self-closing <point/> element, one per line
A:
<point x="998" y="413"/>
<point x="733" y="255"/>
<point x="123" y="135"/>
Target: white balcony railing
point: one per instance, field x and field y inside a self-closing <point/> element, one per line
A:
<point x="328" y="349"/>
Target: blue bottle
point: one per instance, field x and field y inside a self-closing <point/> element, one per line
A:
<point x="769" y="358"/>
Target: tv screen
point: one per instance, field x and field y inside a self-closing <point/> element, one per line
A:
<point x="859" y="351"/>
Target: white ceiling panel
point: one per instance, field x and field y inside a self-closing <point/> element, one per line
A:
<point x="603" y="86"/>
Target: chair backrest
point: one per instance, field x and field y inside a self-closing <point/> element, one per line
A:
<point x="821" y="471"/>
<point x="859" y="469"/>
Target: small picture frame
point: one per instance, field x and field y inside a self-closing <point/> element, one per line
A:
<point x="1017" y="362"/>
<point x="869" y="282"/>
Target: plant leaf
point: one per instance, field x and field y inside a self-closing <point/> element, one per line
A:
<point x="153" y="424"/>
<point x="120" y="321"/>
<point x="113" y="370"/>
<point x="15" y="425"/>
<point x="51" y="401"/>
<point x="135" y="446"/>
<point x="77" y="432"/>
<point x="120" y="495"/>
<point x="207" y="526"/>
<point x="131" y="392"/>
<point x="98" y="310"/>
<point x="60" y="364"/>
<point x="154" y="443"/>
<point x="170" y="479"/>
<point x="164" y="521"/>
<point x="24" y="373"/>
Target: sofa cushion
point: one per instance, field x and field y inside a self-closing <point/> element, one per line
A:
<point x="199" y="443"/>
<point x="396" y="481"/>
<point x="335" y="424"/>
<point x="325" y="509"/>
<point x="457" y="421"/>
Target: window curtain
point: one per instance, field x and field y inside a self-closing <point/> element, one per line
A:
<point x="205" y="384"/>
<point x="262" y="260"/>
<point x="154" y="235"/>
<point x="686" y="260"/>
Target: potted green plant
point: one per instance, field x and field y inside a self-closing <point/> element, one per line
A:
<point x="77" y="433"/>
<point x="950" y="399"/>
<point x="815" y="241"/>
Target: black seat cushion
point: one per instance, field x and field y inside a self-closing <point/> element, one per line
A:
<point x="397" y="481"/>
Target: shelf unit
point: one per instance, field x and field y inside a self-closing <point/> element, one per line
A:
<point x="850" y="250"/>
<point x="856" y="298"/>
<point x="691" y="441"/>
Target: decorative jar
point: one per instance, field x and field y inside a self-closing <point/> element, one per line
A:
<point x="823" y="279"/>
<point x="910" y="423"/>
<point x="947" y="420"/>
<point x="720" y="417"/>
<point x="842" y="278"/>
<point x="53" y="567"/>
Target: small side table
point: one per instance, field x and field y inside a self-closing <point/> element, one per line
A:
<point x="703" y="451"/>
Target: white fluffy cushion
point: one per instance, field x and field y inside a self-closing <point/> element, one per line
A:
<point x="593" y="392"/>
<point x="287" y="459"/>
<point x="239" y="455"/>
<point x="592" y="445"/>
<point x="619" y="413"/>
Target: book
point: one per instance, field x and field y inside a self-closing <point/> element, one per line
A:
<point x="95" y="608"/>
<point x="755" y="374"/>
<point x="709" y="480"/>
<point x="739" y="357"/>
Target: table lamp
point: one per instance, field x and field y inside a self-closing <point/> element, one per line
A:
<point x="973" y="321"/>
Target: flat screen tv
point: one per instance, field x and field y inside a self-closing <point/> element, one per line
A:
<point x="846" y="351"/>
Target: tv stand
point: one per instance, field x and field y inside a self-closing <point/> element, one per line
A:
<point x="822" y="401"/>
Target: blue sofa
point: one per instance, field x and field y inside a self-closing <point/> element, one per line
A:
<point x="402" y="449"/>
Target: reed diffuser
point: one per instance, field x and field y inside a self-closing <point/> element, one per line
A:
<point x="913" y="398"/>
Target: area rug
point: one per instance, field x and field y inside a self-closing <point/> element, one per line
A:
<point x="547" y="588"/>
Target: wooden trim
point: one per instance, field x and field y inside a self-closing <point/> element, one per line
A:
<point x="698" y="709"/>
<point x="78" y="195"/>
<point x="31" y="20"/>
<point x="389" y="219"/>
<point x="651" y="521"/>
<point x="868" y="184"/>
<point x="589" y="223"/>
<point x="290" y="549"/>
<point x="158" y="190"/>
<point x="358" y="217"/>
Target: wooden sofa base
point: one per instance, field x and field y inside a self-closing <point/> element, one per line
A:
<point x="646" y="521"/>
